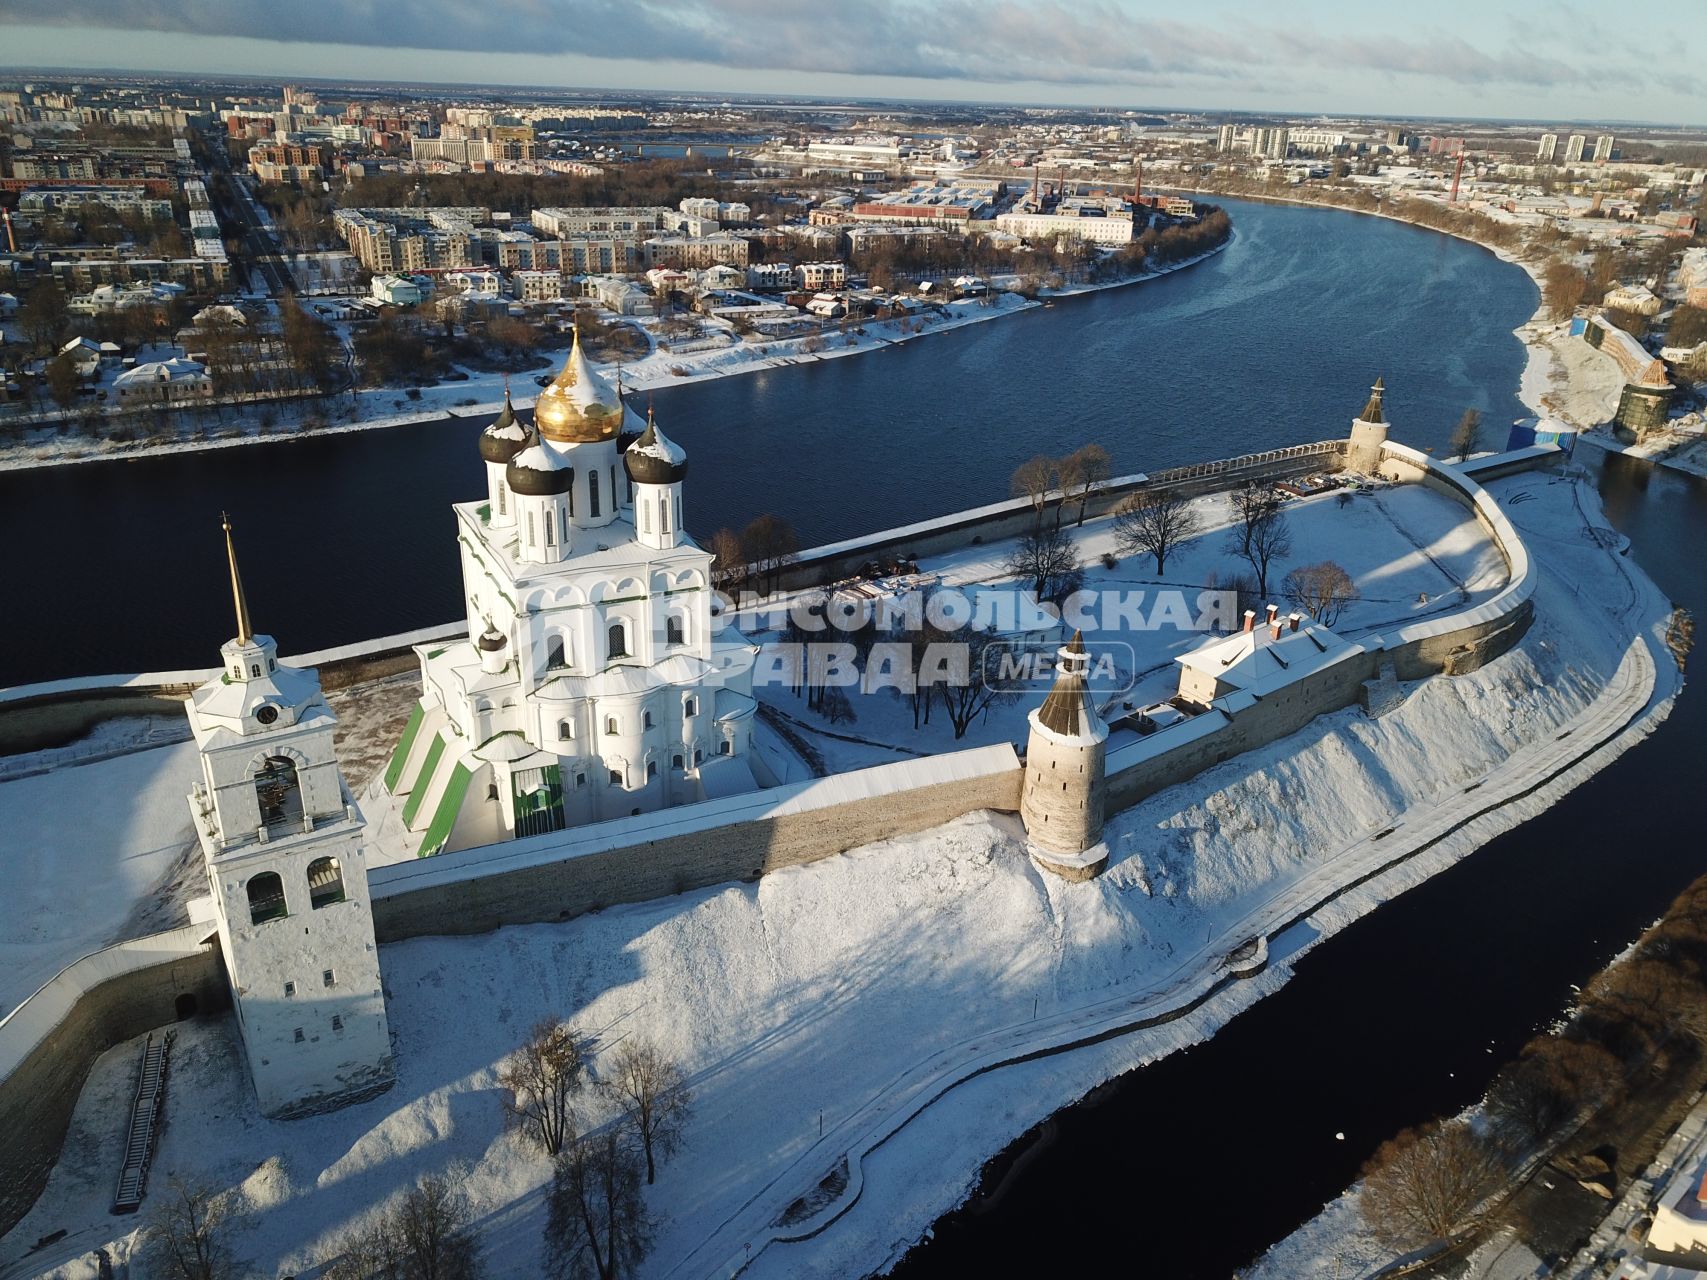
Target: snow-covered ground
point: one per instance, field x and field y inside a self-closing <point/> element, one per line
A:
<point x="1412" y="553"/>
<point x="83" y="851"/>
<point x="850" y="992"/>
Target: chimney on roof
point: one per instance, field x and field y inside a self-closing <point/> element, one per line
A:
<point x="1250" y="619"/>
<point x="1294" y="619"/>
<point x="1274" y="622"/>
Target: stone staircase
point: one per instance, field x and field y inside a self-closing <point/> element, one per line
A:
<point x="145" y="1113"/>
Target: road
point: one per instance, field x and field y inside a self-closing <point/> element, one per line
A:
<point x="244" y="217"/>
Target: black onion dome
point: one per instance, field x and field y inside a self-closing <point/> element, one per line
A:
<point x="539" y="470"/>
<point x="655" y="458"/>
<point x="491" y="640"/>
<point x="504" y="437"/>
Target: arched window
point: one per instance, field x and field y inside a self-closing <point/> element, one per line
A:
<point x="610" y="724"/>
<point x="255" y="669"/>
<point x="565" y="730"/>
<point x="278" y="792"/>
<point x="617" y="640"/>
<point x="674" y="633"/>
<point x="562" y="526"/>
<point x="592" y="493"/>
<point x="556" y="653"/>
<point x="503" y="496"/>
<point x="266" y="898"/>
<point x="664" y="515"/>
<point x="616" y="777"/>
<point x="325" y="883"/>
<point x="646" y="720"/>
<point x="645" y="518"/>
<point x="530" y="529"/>
<point x="550" y="531"/>
<point x="690" y="705"/>
<point x="723" y="747"/>
<point x="676" y="761"/>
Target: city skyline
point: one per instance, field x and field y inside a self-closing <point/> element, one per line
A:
<point x="1311" y="56"/>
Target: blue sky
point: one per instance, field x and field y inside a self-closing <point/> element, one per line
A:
<point x="1638" y="60"/>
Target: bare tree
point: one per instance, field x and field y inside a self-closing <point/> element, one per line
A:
<point x="190" y="1229"/>
<point x="541" y="1080"/>
<point x="596" y="1224"/>
<point x="653" y="1096"/>
<point x="1552" y="1080"/>
<point x="425" y="1235"/>
<point x="1088" y="468"/>
<point x="1153" y="522"/>
<point x="768" y="543"/>
<point x="1259" y="534"/>
<point x="728" y="562"/>
<point x="1034" y="479"/>
<point x="1047" y="559"/>
<point x="1427" y="1183"/>
<point x="979" y="687"/>
<point x="1321" y="590"/>
<point x="1467" y="434"/>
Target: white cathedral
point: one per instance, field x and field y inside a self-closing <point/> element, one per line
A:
<point x="592" y="684"/>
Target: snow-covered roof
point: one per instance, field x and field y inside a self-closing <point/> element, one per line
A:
<point x="177" y="369"/>
<point x="655" y="444"/>
<point x="1256" y="663"/>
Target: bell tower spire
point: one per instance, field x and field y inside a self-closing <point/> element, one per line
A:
<point x="244" y="631"/>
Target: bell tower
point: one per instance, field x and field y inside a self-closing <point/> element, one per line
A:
<point x="282" y="844"/>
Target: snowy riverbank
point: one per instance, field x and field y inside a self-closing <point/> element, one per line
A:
<point x="482" y="393"/>
<point x="837" y="1013"/>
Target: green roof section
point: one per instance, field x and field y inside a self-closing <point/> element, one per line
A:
<point x="444" y="817"/>
<point x="400" y="757"/>
<point x="429" y="767"/>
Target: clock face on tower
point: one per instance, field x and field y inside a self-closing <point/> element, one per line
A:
<point x="266" y="713"/>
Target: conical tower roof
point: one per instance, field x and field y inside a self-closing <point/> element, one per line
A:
<point x="1372" y="410"/>
<point x="1068" y="710"/>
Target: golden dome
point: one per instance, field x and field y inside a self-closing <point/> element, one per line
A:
<point x="579" y="406"/>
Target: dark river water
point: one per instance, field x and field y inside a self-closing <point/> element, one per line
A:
<point x="1193" y="1165"/>
<point x="1209" y="1156"/>
<point x="116" y="567"/>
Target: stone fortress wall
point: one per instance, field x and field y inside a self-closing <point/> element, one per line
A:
<point x="46" y="1051"/>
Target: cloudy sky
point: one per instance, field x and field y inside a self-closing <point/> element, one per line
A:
<point x="1544" y="59"/>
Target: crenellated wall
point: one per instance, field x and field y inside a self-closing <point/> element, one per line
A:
<point x="49" y="1043"/>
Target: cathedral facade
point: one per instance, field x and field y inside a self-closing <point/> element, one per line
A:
<point x="593" y="682"/>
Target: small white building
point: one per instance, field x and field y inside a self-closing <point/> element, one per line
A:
<point x="85" y="355"/>
<point x="164" y="381"/>
<point x="396" y="291"/>
<point x="624" y="297"/>
<point x="821" y="275"/>
<point x="1259" y="660"/>
<point x="1680" y="1221"/>
<point x="538" y="286"/>
<point x="770" y="275"/>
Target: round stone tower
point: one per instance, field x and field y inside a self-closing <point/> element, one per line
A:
<point x="1062" y="796"/>
<point x="1368" y="434"/>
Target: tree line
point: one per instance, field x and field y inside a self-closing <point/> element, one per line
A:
<point x="1638" y="1027"/>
